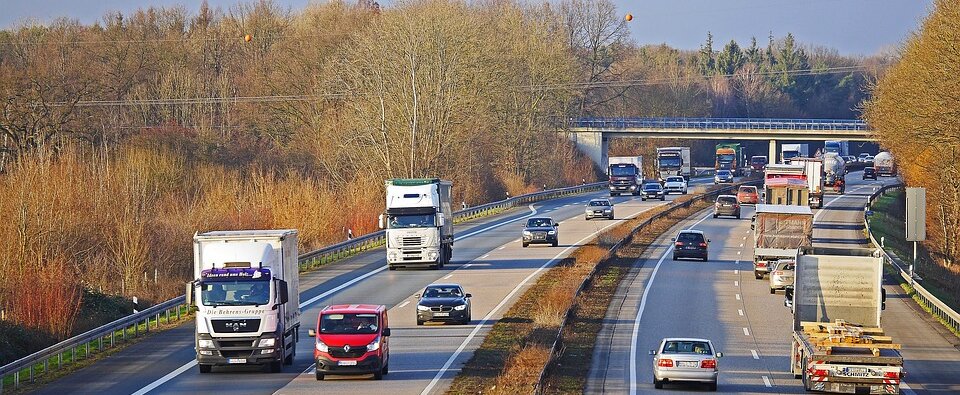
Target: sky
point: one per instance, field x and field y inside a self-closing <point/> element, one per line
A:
<point x="852" y="27"/>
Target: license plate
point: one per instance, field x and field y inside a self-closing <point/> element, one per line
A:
<point x="539" y="237"/>
<point x="688" y="364"/>
<point x="347" y="363"/>
<point x="236" y="360"/>
<point x="441" y="314"/>
<point x="691" y="247"/>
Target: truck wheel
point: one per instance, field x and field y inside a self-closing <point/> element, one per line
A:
<point x="205" y="368"/>
<point x="613" y="194"/>
<point x="319" y="376"/>
<point x="391" y="267"/>
<point x="419" y="323"/>
<point x="386" y="368"/>
<point x="378" y="374"/>
<point x="773" y="291"/>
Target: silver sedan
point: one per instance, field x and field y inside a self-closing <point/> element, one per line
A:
<point x="598" y="208"/>
<point x="685" y="360"/>
<point x="781" y="275"/>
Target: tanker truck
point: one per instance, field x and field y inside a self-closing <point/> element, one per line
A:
<point x="884" y="164"/>
<point x="834" y="169"/>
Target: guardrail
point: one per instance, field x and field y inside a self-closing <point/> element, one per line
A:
<point x="70" y="350"/>
<point x="557" y="346"/>
<point x="720" y="123"/>
<point x="947" y="315"/>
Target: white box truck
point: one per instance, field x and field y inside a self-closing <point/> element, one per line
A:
<point x="418" y="222"/>
<point x="245" y="289"/>
<point x="673" y="161"/>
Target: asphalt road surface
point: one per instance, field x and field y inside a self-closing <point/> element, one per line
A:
<point x="722" y="301"/>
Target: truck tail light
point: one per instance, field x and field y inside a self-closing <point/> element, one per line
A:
<point x="819" y="372"/>
<point x="665" y="363"/>
<point x="891" y="375"/>
<point x="760" y="264"/>
<point x="708" y="364"/>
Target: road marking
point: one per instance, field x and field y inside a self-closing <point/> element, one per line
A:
<point x="736" y="283"/>
<point x="755" y="355"/>
<point x="448" y="276"/>
<point x="503" y="246"/>
<point x="736" y="271"/>
<point x="819" y="213"/>
<point x="476" y="329"/>
<point x="403" y="304"/>
<point x="741" y="245"/>
<point x="738" y="296"/>
<point x="746" y="332"/>
<point x="485" y="256"/>
<point x="467" y="265"/>
<point x="643" y="303"/>
<point x="739" y="252"/>
<point x="766" y="381"/>
<point x="168" y="377"/>
<point x="744" y="237"/>
<point x="740" y="311"/>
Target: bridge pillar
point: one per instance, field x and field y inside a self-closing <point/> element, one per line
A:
<point x="772" y="158"/>
<point x="592" y="144"/>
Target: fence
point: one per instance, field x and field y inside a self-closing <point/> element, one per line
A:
<point x="720" y="123"/>
<point x="940" y="310"/>
<point x="70" y="350"/>
<point x="558" y="342"/>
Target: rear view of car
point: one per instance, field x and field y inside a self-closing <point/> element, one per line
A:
<point x="781" y="275"/>
<point x="726" y="205"/>
<point x="351" y="340"/>
<point x="870" y="172"/>
<point x="685" y="360"/>
<point x="747" y="194"/>
<point x="690" y="244"/>
<point x="598" y="208"/>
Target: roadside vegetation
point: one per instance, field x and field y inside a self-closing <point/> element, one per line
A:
<point x="120" y="139"/>
<point x="913" y="111"/>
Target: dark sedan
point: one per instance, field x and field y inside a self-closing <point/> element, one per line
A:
<point x="869" y="172"/>
<point x="541" y="230"/>
<point x="652" y="190"/>
<point x="443" y="302"/>
<point x="690" y="244"/>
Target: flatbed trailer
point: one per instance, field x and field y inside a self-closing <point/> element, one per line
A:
<point x="847" y="359"/>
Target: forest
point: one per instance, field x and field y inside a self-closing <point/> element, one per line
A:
<point x="122" y="138"/>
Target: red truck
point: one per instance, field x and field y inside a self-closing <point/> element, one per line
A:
<point x="352" y="340"/>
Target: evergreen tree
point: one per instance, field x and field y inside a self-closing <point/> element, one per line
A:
<point x="753" y="54"/>
<point x="730" y="60"/>
<point x="705" y="61"/>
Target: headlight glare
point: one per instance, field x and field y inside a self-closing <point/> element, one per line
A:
<point x="422" y="308"/>
<point x="460" y="307"/>
<point x="270" y="342"/>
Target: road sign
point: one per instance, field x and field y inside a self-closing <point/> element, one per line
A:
<point x="916" y="214"/>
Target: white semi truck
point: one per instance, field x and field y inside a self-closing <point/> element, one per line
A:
<point x="673" y="161"/>
<point x="790" y="151"/>
<point x="884" y="164"/>
<point x="835" y="171"/>
<point x="418" y="222"/>
<point x="838" y="344"/>
<point x="245" y="289"/>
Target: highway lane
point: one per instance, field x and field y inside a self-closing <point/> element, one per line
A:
<point x="722" y="301"/>
<point x="164" y="363"/>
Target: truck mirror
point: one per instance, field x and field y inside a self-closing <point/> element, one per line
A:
<point x="441" y="221"/>
<point x="311" y="333"/>
<point x="386" y="332"/>
<point x="189" y="293"/>
<point x="380" y="222"/>
<point x="282" y="290"/>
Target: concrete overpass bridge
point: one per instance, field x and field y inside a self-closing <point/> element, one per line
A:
<point x="591" y="135"/>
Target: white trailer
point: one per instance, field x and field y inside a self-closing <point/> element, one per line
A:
<point x="246" y="284"/>
<point x="790" y="151"/>
<point x="418" y="222"/>
<point x="673" y="161"/>
<point x="813" y="170"/>
<point x="884" y="164"/>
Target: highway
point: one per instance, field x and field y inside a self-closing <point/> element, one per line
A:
<point x="488" y="261"/>
<point x="722" y="301"/>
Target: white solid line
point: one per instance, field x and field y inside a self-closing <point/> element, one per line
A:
<point x="406" y="302"/>
<point x="739" y="252"/>
<point x="740" y="312"/>
<point x="168" y="377"/>
<point x="476" y="329"/>
<point x="467" y="265"/>
<point x="766" y="381"/>
<point x="448" y="276"/>
<point x="755" y="355"/>
<point x="738" y="296"/>
<point x="643" y="303"/>
<point x="744" y="237"/>
<point x="746" y="332"/>
<point x="485" y="256"/>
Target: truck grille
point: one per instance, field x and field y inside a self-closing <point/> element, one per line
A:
<point x="236" y="326"/>
<point x="621" y="182"/>
<point x="355" y="352"/>
<point x="235" y="343"/>
<point x="411" y="241"/>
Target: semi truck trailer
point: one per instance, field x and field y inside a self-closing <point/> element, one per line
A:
<point x="779" y="231"/>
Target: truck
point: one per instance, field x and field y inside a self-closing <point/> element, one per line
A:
<point x="786" y="184"/>
<point x="834" y="171"/>
<point x="838" y="344"/>
<point x="841" y="148"/>
<point x="813" y="170"/>
<point x="673" y="161"/>
<point x="245" y="290"/>
<point x="625" y="175"/>
<point x="730" y="156"/>
<point x="790" y="151"/>
<point x="418" y="222"/>
<point x="884" y="164"/>
<point x="779" y="231"/>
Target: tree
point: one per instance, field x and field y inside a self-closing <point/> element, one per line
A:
<point x="706" y="63"/>
<point x="730" y="59"/>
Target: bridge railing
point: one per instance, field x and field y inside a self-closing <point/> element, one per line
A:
<point x="79" y="347"/>
<point x="719" y="123"/>
<point x="946" y="315"/>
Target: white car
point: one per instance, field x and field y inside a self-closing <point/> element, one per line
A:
<point x="675" y="184"/>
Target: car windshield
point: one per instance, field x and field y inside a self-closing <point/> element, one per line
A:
<point x="686" y="347"/>
<point x="539" y="222"/>
<point x="690" y="237"/>
<point x="442" y="292"/>
<point x="599" y="203"/>
<point x="623" y="171"/>
<point x="412" y="220"/>
<point x="758" y="160"/>
<point x="651" y="187"/>
<point x="748" y="189"/>
<point x="227" y="292"/>
<point x="349" y="324"/>
<point x="725" y="158"/>
<point x="723" y="173"/>
<point x="674" y="179"/>
<point x="670" y="162"/>
<point x="727" y="200"/>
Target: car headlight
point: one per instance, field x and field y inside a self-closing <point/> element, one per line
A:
<point x="460" y="307"/>
<point x="606" y="210"/>
<point x="267" y="342"/>
<point x="552" y="232"/>
<point x="322" y="347"/>
<point x="205" y="343"/>
<point x="374" y="345"/>
<point x="422" y="308"/>
<point x="526" y="233"/>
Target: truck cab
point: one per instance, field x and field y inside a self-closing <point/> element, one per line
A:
<point x="418" y="222"/>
